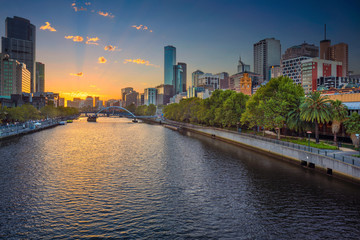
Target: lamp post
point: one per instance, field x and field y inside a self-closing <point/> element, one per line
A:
<point x="309" y="132"/>
<point x="278" y="132"/>
<point x="358" y="137"/>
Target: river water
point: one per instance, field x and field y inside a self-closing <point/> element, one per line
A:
<point x="117" y="179"/>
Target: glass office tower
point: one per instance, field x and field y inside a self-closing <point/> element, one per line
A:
<point x="178" y="76"/>
<point x="169" y="62"/>
<point x="19" y="43"/>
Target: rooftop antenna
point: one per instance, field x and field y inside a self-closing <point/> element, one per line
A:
<point x="325" y="32"/>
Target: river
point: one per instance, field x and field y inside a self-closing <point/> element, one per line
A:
<point x="117" y="179"/>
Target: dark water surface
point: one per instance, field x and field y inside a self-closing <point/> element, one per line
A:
<point x="116" y="179"/>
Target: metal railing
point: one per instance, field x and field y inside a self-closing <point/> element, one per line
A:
<point x="335" y="154"/>
<point x="19" y="128"/>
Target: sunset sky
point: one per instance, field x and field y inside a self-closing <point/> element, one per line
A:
<point x="98" y="47"/>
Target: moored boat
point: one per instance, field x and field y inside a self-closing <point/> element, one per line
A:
<point x="92" y="118"/>
<point x="69" y="121"/>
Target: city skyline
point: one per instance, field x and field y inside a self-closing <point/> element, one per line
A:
<point x="126" y="39"/>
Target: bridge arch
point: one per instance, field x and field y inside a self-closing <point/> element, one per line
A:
<point x="116" y="107"/>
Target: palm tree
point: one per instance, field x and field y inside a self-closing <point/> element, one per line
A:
<point x="316" y="108"/>
<point x="339" y="114"/>
<point x="294" y="121"/>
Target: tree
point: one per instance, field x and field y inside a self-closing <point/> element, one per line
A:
<point x="270" y="105"/>
<point x="316" y="109"/>
<point x="352" y="126"/>
<point x="294" y="121"/>
<point x="151" y="110"/>
<point x="131" y="107"/>
<point x="339" y="114"/>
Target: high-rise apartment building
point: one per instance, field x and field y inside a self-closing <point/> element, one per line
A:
<point x="195" y="77"/>
<point x="302" y="50"/>
<point x="14" y="77"/>
<point x="131" y="98"/>
<point x="338" y="52"/>
<point x="178" y="77"/>
<point x="40" y="77"/>
<point x="223" y="80"/>
<point x="163" y="94"/>
<point x="291" y="60"/>
<point x="23" y="79"/>
<point x="125" y="91"/>
<point x="169" y="63"/>
<point x="267" y="53"/>
<point x="209" y="81"/>
<point x="20" y="44"/>
<point x="150" y="96"/>
<point x="314" y="68"/>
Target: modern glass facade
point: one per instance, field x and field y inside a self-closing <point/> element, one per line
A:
<point x="178" y="76"/>
<point x="40" y="77"/>
<point x="19" y="43"/>
<point x="183" y="76"/>
<point x="169" y="62"/>
<point x="150" y="96"/>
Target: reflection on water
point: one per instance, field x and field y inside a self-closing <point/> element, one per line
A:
<point x="117" y="179"/>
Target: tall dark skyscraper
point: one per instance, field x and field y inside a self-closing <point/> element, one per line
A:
<point x="183" y="76"/>
<point x="169" y="62"/>
<point x="19" y="43"/>
<point x="40" y="77"/>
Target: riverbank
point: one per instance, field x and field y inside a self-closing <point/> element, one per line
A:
<point x="337" y="163"/>
<point x="13" y="131"/>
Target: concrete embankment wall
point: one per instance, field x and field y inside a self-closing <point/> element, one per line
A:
<point x="315" y="161"/>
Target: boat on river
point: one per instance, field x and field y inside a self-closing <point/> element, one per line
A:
<point x="69" y="121"/>
<point x="92" y="118"/>
<point x="62" y="123"/>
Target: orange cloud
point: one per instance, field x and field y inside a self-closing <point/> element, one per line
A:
<point x="75" y="38"/>
<point x="140" y="61"/>
<point x="47" y="26"/>
<point x="141" y="27"/>
<point x="92" y="40"/>
<point x="102" y="60"/>
<point x="111" y="48"/>
<point x="80" y="74"/>
<point x="106" y="14"/>
<point x="73" y="4"/>
<point x="87" y="3"/>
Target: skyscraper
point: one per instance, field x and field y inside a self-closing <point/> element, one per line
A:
<point x="183" y="76"/>
<point x="14" y="77"/>
<point x="169" y="62"/>
<point x="20" y="44"/>
<point x="338" y="52"/>
<point x="267" y="53"/>
<point x="242" y="67"/>
<point x="195" y="77"/>
<point x="178" y="79"/>
<point x="40" y="77"/>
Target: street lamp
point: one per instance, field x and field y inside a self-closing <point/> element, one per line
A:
<point x="278" y="132"/>
<point x="309" y="132"/>
<point x="358" y="137"/>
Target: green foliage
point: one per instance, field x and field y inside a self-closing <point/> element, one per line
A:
<point x="131" y="107"/>
<point x="28" y="112"/>
<point x="305" y="142"/>
<point x="270" y="105"/>
<point x="316" y="109"/>
<point x="151" y="110"/>
<point x="352" y="124"/>
<point x="145" y="110"/>
<point x="223" y="108"/>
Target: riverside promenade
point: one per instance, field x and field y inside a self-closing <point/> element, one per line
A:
<point x="19" y="129"/>
<point x="337" y="163"/>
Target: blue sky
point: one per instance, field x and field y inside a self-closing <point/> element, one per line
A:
<point x="209" y="35"/>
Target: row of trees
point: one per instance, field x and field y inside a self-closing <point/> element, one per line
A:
<point x="223" y="109"/>
<point x="28" y="112"/>
<point x="145" y="110"/>
<point x="278" y="104"/>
